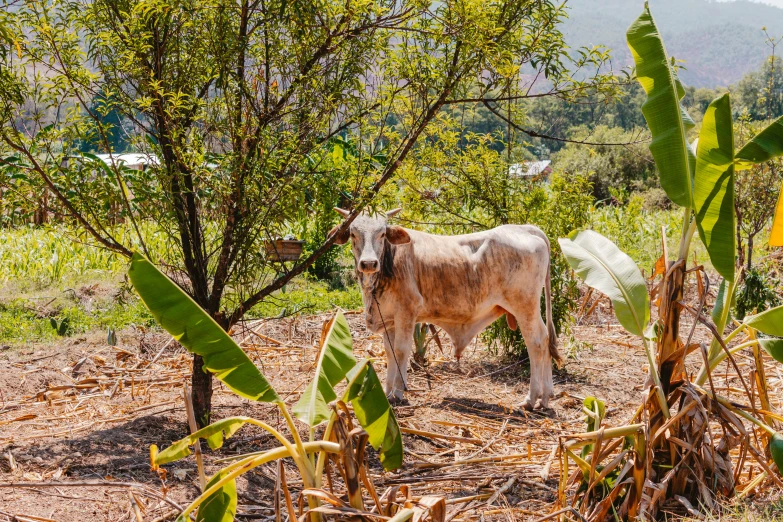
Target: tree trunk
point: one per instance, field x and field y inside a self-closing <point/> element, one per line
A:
<point x="750" y="252"/>
<point x="201" y="382"/>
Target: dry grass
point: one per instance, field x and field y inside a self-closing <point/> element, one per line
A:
<point x="83" y="413"/>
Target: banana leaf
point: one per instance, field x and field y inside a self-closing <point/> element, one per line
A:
<point x="375" y="414"/>
<point x="774" y="347"/>
<point x="334" y="362"/>
<point x="221" y="506"/>
<point x="189" y="324"/>
<point x="215" y="434"/>
<point x="776" y="450"/>
<point x="713" y="196"/>
<point x="766" y="145"/>
<point x="668" y="121"/>
<point x="606" y="268"/>
<point x="769" y="322"/>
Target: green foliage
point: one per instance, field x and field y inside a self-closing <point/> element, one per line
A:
<point x="199" y="333"/>
<point x="690" y="28"/>
<point x="608" y="167"/>
<point x="755" y="294"/>
<point x="636" y="230"/>
<point x="221" y="506"/>
<point x="215" y="434"/>
<point x="62" y="328"/>
<point x="760" y="92"/>
<point x="21" y="322"/>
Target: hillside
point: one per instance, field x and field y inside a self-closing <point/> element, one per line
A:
<point x="719" y="41"/>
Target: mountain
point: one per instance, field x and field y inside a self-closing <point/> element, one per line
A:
<point x="718" y="41"/>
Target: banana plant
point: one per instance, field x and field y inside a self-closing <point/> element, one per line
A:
<point x="699" y="177"/>
<point x="180" y="316"/>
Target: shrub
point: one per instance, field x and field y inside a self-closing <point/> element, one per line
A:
<point x="656" y="199"/>
<point x="755" y="294"/>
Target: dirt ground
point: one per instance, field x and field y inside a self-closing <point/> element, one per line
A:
<point x="77" y="419"/>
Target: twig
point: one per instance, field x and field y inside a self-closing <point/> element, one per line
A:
<point x="202" y="478"/>
<point x="492" y="441"/>
<point x="560" y="512"/>
<point x="135" y="507"/>
<point x="505" y="487"/>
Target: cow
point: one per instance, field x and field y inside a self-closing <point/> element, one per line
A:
<point x="460" y="283"/>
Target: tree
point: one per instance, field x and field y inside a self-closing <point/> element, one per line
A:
<point x="609" y="167"/>
<point x="757" y="190"/>
<point x="243" y="103"/>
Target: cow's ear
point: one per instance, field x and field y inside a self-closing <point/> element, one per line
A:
<point x="342" y="237"/>
<point x="397" y="235"/>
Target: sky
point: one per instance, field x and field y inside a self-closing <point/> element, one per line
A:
<point x="776" y="3"/>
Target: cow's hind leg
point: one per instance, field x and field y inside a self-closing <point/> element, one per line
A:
<point x="535" y="334"/>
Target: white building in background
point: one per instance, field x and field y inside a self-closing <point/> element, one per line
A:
<point x="131" y="160"/>
<point x="531" y="170"/>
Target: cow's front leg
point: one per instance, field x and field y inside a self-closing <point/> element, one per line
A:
<point x="391" y="362"/>
<point x="403" y="349"/>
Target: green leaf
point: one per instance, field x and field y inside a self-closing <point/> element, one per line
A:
<point x="591" y="403"/>
<point x="596" y="406"/>
<point x="662" y="110"/>
<point x="221" y="506"/>
<point x="334" y="362"/>
<point x="769" y="322"/>
<point x="722" y="305"/>
<point x="774" y="347"/>
<point x="374" y="413"/>
<point x="776" y="450"/>
<point x="606" y="268"/>
<point x="713" y="192"/>
<point x="766" y="145"/>
<point x="189" y="324"/>
<point x="215" y="434"/>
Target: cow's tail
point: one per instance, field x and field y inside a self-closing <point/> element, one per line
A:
<point x="550" y="324"/>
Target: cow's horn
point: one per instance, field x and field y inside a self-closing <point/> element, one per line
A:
<point x="344" y="213"/>
<point x="393" y="213"/>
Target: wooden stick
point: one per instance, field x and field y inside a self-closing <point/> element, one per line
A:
<point x="432" y="435"/>
<point x="202" y="478"/>
<point x="135" y="507"/>
<point x="289" y="504"/>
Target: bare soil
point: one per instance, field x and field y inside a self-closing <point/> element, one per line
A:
<point x="77" y="419"/>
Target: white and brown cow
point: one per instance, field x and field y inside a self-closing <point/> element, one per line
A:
<point x="459" y="283"/>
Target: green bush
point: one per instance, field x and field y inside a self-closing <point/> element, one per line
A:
<point x="755" y="294"/>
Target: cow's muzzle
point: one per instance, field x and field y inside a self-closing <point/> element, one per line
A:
<point x="368" y="266"/>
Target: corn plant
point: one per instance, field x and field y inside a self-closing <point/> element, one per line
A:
<point x="179" y="315"/>
<point x="686" y="443"/>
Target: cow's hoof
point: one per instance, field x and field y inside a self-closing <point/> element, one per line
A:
<point x="527" y="405"/>
<point x="398" y="401"/>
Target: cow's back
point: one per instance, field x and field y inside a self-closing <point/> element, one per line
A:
<point x="460" y="277"/>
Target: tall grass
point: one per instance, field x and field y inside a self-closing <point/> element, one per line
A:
<point x="56" y="272"/>
<point x="637" y="231"/>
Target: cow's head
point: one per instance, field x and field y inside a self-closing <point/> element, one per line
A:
<point x="368" y="235"/>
